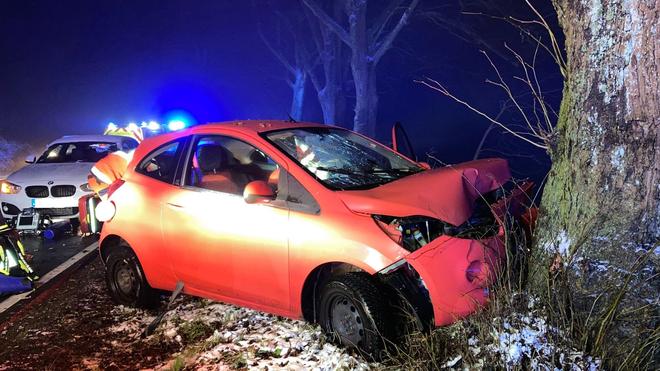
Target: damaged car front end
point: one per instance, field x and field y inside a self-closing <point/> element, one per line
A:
<point x="456" y="245"/>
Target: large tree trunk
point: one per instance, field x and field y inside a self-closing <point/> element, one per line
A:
<point x="366" y="99"/>
<point x="298" y="94"/>
<point x="335" y="69"/>
<point x="601" y="205"/>
<point x="361" y="67"/>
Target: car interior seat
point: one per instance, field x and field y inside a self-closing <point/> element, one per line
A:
<point x="77" y="154"/>
<point x="213" y="165"/>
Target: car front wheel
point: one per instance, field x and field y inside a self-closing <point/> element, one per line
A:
<point x="126" y="281"/>
<point x="353" y="311"/>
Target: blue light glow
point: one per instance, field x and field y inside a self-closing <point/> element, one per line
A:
<point x="176" y="125"/>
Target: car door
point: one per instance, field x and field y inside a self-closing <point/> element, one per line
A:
<point x="221" y="246"/>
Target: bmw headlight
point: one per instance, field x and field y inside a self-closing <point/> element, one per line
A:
<point x="85" y="188"/>
<point x="9" y="188"/>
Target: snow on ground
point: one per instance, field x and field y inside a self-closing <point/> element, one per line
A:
<point x="528" y="337"/>
<point x="523" y="339"/>
<point x="216" y="336"/>
<point x="220" y="336"/>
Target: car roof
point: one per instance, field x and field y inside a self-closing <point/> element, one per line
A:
<point x="246" y="126"/>
<point x="259" y="126"/>
<point x="89" y="138"/>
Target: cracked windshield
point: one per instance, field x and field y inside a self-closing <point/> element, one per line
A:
<point x="341" y="159"/>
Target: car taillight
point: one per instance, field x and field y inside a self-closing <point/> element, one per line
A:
<point x="114" y="186"/>
<point x="9" y="188"/>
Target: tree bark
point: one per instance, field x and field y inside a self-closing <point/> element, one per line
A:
<point x="329" y="84"/>
<point x="298" y="94"/>
<point x="601" y="204"/>
<point x="360" y="66"/>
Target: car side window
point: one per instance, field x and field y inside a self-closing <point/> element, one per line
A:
<point x="161" y="164"/>
<point x="224" y="164"/>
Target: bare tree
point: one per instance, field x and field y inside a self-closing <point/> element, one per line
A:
<point x="293" y="53"/>
<point x="330" y="74"/>
<point x="368" y="40"/>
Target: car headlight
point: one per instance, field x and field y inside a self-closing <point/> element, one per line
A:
<point x="411" y="233"/>
<point x="86" y="188"/>
<point x="9" y="188"/>
<point x="414" y="232"/>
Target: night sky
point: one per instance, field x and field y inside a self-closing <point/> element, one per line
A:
<point x="70" y="67"/>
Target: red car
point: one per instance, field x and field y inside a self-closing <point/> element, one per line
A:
<point x="307" y="221"/>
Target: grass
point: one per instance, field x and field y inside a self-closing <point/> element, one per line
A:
<point x="195" y="331"/>
<point x="582" y="330"/>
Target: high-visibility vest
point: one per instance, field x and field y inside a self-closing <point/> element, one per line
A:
<point x="12" y="253"/>
<point x="109" y="169"/>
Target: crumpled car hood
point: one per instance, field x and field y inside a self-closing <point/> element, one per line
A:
<point x="447" y="193"/>
<point x="45" y="172"/>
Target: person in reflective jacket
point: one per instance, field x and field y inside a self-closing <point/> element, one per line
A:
<point x="16" y="275"/>
<point x="113" y="166"/>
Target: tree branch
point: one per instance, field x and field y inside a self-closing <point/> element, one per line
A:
<point x="389" y="39"/>
<point x="435" y="85"/>
<point x="328" y="21"/>
<point x="383" y="19"/>
<point x="275" y="52"/>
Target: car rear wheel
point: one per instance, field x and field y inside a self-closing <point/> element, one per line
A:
<point x="353" y="312"/>
<point x="126" y="281"/>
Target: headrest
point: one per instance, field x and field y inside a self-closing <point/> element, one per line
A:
<point x="211" y="157"/>
<point x="77" y="154"/>
<point x="257" y="157"/>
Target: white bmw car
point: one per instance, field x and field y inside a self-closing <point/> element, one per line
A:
<point x="52" y="183"/>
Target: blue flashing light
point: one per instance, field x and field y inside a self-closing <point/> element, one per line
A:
<point x="176" y="125"/>
<point x="132" y="126"/>
<point x="111" y="126"/>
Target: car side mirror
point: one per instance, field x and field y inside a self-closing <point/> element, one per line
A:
<point x="257" y="192"/>
<point x="31" y="159"/>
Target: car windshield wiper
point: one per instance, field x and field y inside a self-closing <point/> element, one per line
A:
<point x="396" y="171"/>
<point x="339" y="170"/>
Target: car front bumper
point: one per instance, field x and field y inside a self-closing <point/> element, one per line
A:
<point x="55" y="207"/>
<point x="457" y="274"/>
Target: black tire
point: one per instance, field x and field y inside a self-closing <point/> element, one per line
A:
<point x="353" y="312"/>
<point x="126" y="281"/>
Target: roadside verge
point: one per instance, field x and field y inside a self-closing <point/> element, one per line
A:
<point x="11" y="306"/>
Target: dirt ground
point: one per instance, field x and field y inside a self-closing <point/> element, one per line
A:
<point x="73" y="329"/>
<point x="78" y="327"/>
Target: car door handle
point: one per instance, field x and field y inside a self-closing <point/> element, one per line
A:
<point x="174" y="206"/>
